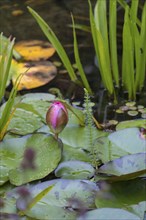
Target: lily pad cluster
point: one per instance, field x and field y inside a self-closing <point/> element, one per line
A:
<point x="47" y="178"/>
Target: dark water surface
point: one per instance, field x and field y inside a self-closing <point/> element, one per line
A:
<point x="55" y="12"/>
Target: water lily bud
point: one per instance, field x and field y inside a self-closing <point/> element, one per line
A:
<point x="57" y="117"/>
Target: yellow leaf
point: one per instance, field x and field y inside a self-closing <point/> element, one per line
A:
<point x="37" y="74"/>
<point x="34" y="50"/>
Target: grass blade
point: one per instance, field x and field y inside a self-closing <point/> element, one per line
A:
<point x="36" y="199"/>
<point x="6" y="52"/>
<point x="78" y="62"/>
<point x="7" y="111"/>
<point x="113" y="40"/>
<point x="124" y="5"/>
<point x="102" y="53"/>
<point x="128" y="57"/>
<point x="55" y="42"/>
<point x="140" y="53"/>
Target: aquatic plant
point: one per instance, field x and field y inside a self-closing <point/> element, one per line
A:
<point x="61" y="52"/>
<point x="104" y="34"/>
<point x="6" y="51"/>
<point x="90" y="127"/>
<point x="57" y="117"/>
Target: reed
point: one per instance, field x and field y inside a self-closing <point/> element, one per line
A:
<point x="6" y="51"/>
<point x="61" y="52"/>
<point x="103" y="27"/>
<point x="103" y="31"/>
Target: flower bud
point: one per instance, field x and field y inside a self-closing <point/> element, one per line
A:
<point x="57" y="117"/>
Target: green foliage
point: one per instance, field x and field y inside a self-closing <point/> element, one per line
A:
<point x="91" y="135"/>
<point x="122" y="154"/>
<point x="6" y="51"/>
<point x="105" y="43"/>
<point x="60" y="50"/>
<point x="78" y="62"/>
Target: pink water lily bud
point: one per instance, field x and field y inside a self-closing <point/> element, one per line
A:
<point x="57" y="117"/>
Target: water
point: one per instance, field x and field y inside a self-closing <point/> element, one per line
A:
<point x="55" y="12"/>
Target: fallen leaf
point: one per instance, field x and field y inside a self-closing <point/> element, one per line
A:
<point x="34" y="50"/>
<point x="17" y="12"/>
<point x="37" y="74"/>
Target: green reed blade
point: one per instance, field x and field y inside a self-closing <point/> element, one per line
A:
<point x="140" y="62"/>
<point x="102" y="52"/>
<point x="6" y="52"/>
<point x="128" y="57"/>
<point x="100" y="15"/>
<point x="134" y="10"/>
<point x="81" y="27"/>
<point x="78" y="62"/>
<point x="124" y="5"/>
<point x="7" y="111"/>
<point x="55" y="42"/>
<point x="140" y="52"/>
<point x="113" y="40"/>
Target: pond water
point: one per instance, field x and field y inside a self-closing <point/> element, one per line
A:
<point x="18" y="22"/>
<point x="15" y="20"/>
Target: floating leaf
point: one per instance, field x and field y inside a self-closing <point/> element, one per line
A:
<point x="24" y="122"/>
<point x="17" y="12"/>
<point x="63" y="201"/>
<point x="132" y="113"/>
<point x="34" y="50"/>
<point x="74" y="170"/>
<point x="120" y="143"/>
<point x="47" y="151"/>
<point x="109" y="213"/>
<point x="124" y="194"/>
<point x="125" y="165"/>
<point x="36" y="74"/>
<point x="131" y="123"/>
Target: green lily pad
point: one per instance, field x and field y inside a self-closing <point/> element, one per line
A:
<point x="131" y="124"/>
<point x="109" y="213"/>
<point x="72" y="153"/>
<point x="74" y="170"/>
<point x="125" y="165"/>
<point x="63" y="201"/>
<point x="24" y="122"/>
<point x="65" y="196"/>
<point x="77" y="136"/>
<point x="124" y="194"/>
<point x="48" y="155"/>
<point x="120" y="143"/>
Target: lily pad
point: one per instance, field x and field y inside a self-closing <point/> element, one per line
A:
<point x="36" y="74"/>
<point x="120" y="143"/>
<point x="125" y="165"/>
<point x="124" y="194"/>
<point x="109" y="213"/>
<point x="131" y="123"/>
<point x="65" y="199"/>
<point x="34" y="50"/>
<point x="24" y="122"/>
<point x="74" y="170"/>
<point x="48" y="155"/>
